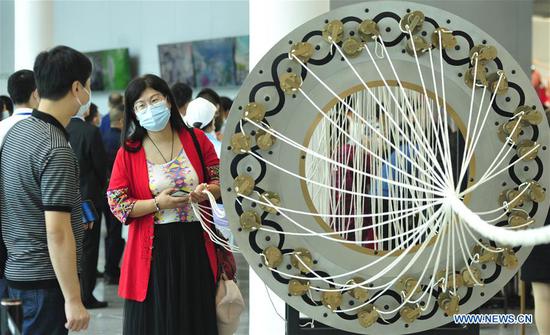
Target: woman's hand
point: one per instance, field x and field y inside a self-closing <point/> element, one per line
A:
<point x="197" y="195"/>
<point x="166" y="201"/>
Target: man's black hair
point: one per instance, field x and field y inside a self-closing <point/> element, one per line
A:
<point x="57" y="69"/>
<point x="210" y="95"/>
<point x="21" y="84"/>
<point x="182" y="94"/>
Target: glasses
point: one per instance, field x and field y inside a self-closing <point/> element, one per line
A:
<point x="140" y="106"/>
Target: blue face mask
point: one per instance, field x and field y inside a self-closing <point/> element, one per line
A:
<point x="155" y="117"/>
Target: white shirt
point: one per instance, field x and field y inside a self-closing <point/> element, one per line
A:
<point x="18" y="115"/>
<point x="217" y="144"/>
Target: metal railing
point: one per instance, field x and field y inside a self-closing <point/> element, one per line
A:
<point x="11" y="317"/>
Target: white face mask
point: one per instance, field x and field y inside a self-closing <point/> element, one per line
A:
<point x="5" y="115"/>
<point x="84" y="107"/>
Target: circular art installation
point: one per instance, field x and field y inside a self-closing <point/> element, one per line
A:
<point x="382" y="168"/>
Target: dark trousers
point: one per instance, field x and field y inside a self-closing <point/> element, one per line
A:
<point x="3" y="288"/>
<point x="114" y="243"/>
<point x="90" y="253"/>
<point x="43" y="311"/>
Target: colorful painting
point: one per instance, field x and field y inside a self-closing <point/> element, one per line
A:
<point x="111" y="69"/>
<point x="241" y="59"/>
<point x="176" y="63"/>
<point x="213" y="62"/>
<point x="209" y="63"/>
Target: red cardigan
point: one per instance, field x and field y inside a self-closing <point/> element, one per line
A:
<point x="129" y="183"/>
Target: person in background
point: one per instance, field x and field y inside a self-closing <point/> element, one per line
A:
<point x="536" y="81"/>
<point x="200" y="114"/>
<point x="182" y="94"/>
<point x="22" y="90"/>
<point x="87" y="145"/>
<point x="210" y="95"/>
<point x="169" y="268"/>
<point x="6" y="107"/>
<point x="225" y="107"/>
<point x="535" y="269"/>
<point x="536" y="272"/>
<point x="93" y="116"/>
<point x="3" y="112"/>
<point x="115" y="99"/>
<point x="547" y="103"/>
<point x="42" y="224"/>
<point x="111" y="140"/>
<point x="114" y="243"/>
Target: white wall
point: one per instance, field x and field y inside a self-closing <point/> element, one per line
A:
<point x="142" y="25"/>
<point x="541" y="46"/>
<point x="6" y="43"/>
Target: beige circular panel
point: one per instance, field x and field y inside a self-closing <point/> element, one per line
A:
<point x="358" y="154"/>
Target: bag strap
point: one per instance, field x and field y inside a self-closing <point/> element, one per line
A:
<point x="199" y="152"/>
<point x="201" y="157"/>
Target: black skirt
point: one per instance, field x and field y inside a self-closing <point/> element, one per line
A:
<point x="537" y="265"/>
<point x="181" y="292"/>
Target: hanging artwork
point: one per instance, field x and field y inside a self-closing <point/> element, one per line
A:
<point x="111" y="69"/>
<point x="213" y="63"/>
<point x="176" y="63"/>
<point x="241" y="58"/>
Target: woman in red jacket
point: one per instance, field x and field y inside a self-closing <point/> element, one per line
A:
<point x="169" y="268"/>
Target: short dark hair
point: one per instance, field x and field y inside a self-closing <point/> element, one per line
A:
<point x="93" y="113"/>
<point x="57" y="69"/>
<point x="21" y="84"/>
<point x="6" y="103"/>
<point x="218" y="123"/>
<point x="115" y="99"/>
<point x="182" y="93"/>
<point x="116" y="113"/>
<point x="210" y="95"/>
<point x="226" y="103"/>
<point x="132" y="132"/>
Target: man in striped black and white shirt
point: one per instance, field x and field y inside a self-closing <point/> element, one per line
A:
<point x="40" y="203"/>
<point x="23" y="93"/>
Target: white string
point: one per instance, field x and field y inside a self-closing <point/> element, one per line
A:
<point x="383" y="108"/>
<point x="494" y="165"/>
<point x="310" y="152"/>
<point x="343" y="190"/>
<point x="467" y="138"/>
<point x="211" y="234"/>
<point x="349" y="107"/>
<point x="272" y="304"/>
<point x="371" y="279"/>
<point x="283" y="209"/>
<point x="512" y="238"/>
<point x="473" y="187"/>
<point x="428" y="151"/>
<point x="445" y="167"/>
<point x="505" y="205"/>
<point x="327" y="236"/>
